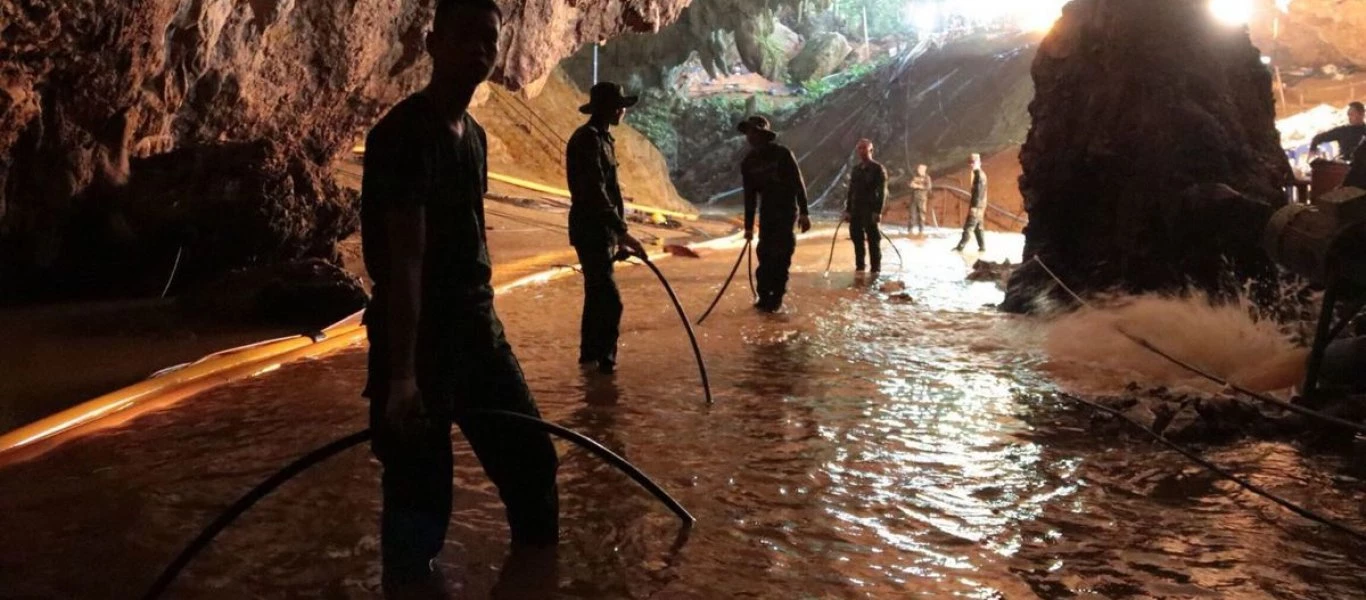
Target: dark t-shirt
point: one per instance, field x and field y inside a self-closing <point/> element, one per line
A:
<point x="867" y="189"/>
<point x="596" y="213"/>
<point x="412" y="158"/>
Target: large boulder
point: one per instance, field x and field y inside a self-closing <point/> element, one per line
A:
<point x="820" y="57"/>
<point x="101" y="99"/>
<point x="1153" y="160"/>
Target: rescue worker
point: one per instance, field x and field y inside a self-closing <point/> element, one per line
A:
<point x="977" y="207"/>
<point x="863" y="206"/>
<point x="1347" y="136"/>
<point x="920" y="198"/>
<point x="437" y="348"/>
<point x="597" y="223"/>
<point x="774" y="188"/>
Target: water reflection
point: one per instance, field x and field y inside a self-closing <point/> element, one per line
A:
<point x="858" y="448"/>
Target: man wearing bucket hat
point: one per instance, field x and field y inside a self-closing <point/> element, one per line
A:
<point x="771" y="176"/>
<point x="597" y="223"/>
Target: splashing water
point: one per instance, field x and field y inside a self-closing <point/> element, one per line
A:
<point x="1088" y="354"/>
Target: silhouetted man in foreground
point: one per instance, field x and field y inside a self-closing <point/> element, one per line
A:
<point x="775" y="189"/>
<point x="437" y="348"/>
<point x="863" y="206"/>
<point x="597" y="222"/>
<point x="977" y="207"/>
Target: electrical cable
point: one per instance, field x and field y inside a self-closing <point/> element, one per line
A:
<point x="722" y="292"/>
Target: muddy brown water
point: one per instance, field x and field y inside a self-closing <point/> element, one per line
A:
<point x="859" y="447"/>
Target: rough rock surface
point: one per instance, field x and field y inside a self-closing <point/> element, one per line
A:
<point x="720" y="32"/>
<point x="1313" y="32"/>
<point x="820" y="57"/>
<point x="100" y="101"/>
<point x="1153" y="125"/>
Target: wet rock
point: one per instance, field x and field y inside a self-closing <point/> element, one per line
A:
<point x="902" y="298"/>
<point x="1141" y="414"/>
<point x="820" y="57"/>
<point x="309" y="294"/>
<point x="1184" y="425"/>
<point x="895" y="285"/>
<point x="1111" y="204"/>
<point x="984" y="270"/>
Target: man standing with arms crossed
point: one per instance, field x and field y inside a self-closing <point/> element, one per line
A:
<point x="771" y="176"/>
<point x="597" y="223"/>
<point x="977" y="207"/>
<point x="863" y="206"/>
<point x="437" y="349"/>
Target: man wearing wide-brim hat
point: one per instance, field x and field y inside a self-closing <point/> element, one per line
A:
<point x="597" y="223"/>
<point x="775" y="189"/>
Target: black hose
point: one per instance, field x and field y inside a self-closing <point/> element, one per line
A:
<point x="1251" y="487"/>
<point x="234" y="511"/>
<point x="292" y="470"/>
<point x="899" y="260"/>
<point x="602" y="452"/>
<point x="743" y="252"/>
<point x="687" y="326"/>
<point x="835" y="238"/>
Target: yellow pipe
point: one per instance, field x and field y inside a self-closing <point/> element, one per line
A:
<point x="123" y="405"/>
<point x="563" y="193"/>
<point x="216" y="369"/>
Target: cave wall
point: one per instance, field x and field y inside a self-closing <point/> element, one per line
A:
<point x="1151" y="124"/>
<point x="131" y="128"/>
<point x="1313" y="32"/>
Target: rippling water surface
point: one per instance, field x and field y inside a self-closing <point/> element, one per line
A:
<point x="861" y="446"/>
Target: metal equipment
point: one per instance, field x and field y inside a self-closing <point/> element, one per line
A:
<point x="1326" y="243"/>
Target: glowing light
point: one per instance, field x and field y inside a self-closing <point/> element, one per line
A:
<point x="1040" y="16"/>
<point x="1231" y="12"/>
<point x="1030" y="15"/>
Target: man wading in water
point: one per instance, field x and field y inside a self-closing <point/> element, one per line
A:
<point x="863" y="206"/>
<point x="977" y="207"/>
<point x="437" y="348"/>
<point x="597" y="224"/>
<point x="775" y="189"/>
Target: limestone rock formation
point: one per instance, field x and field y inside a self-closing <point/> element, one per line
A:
<point x="821" y="56"/>
<point x="129" y="127"/>
<point x="1152" y="126"/>
<point x="1312" y="32"/>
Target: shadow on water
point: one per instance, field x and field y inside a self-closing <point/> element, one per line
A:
<point x="859" y="447"/>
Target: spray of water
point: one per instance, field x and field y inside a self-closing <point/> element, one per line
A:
<point x="1088" y="355"/>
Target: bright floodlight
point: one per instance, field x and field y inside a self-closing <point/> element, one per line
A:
<point x="1039" y="15"/>
<point x="1232" y="12"/>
